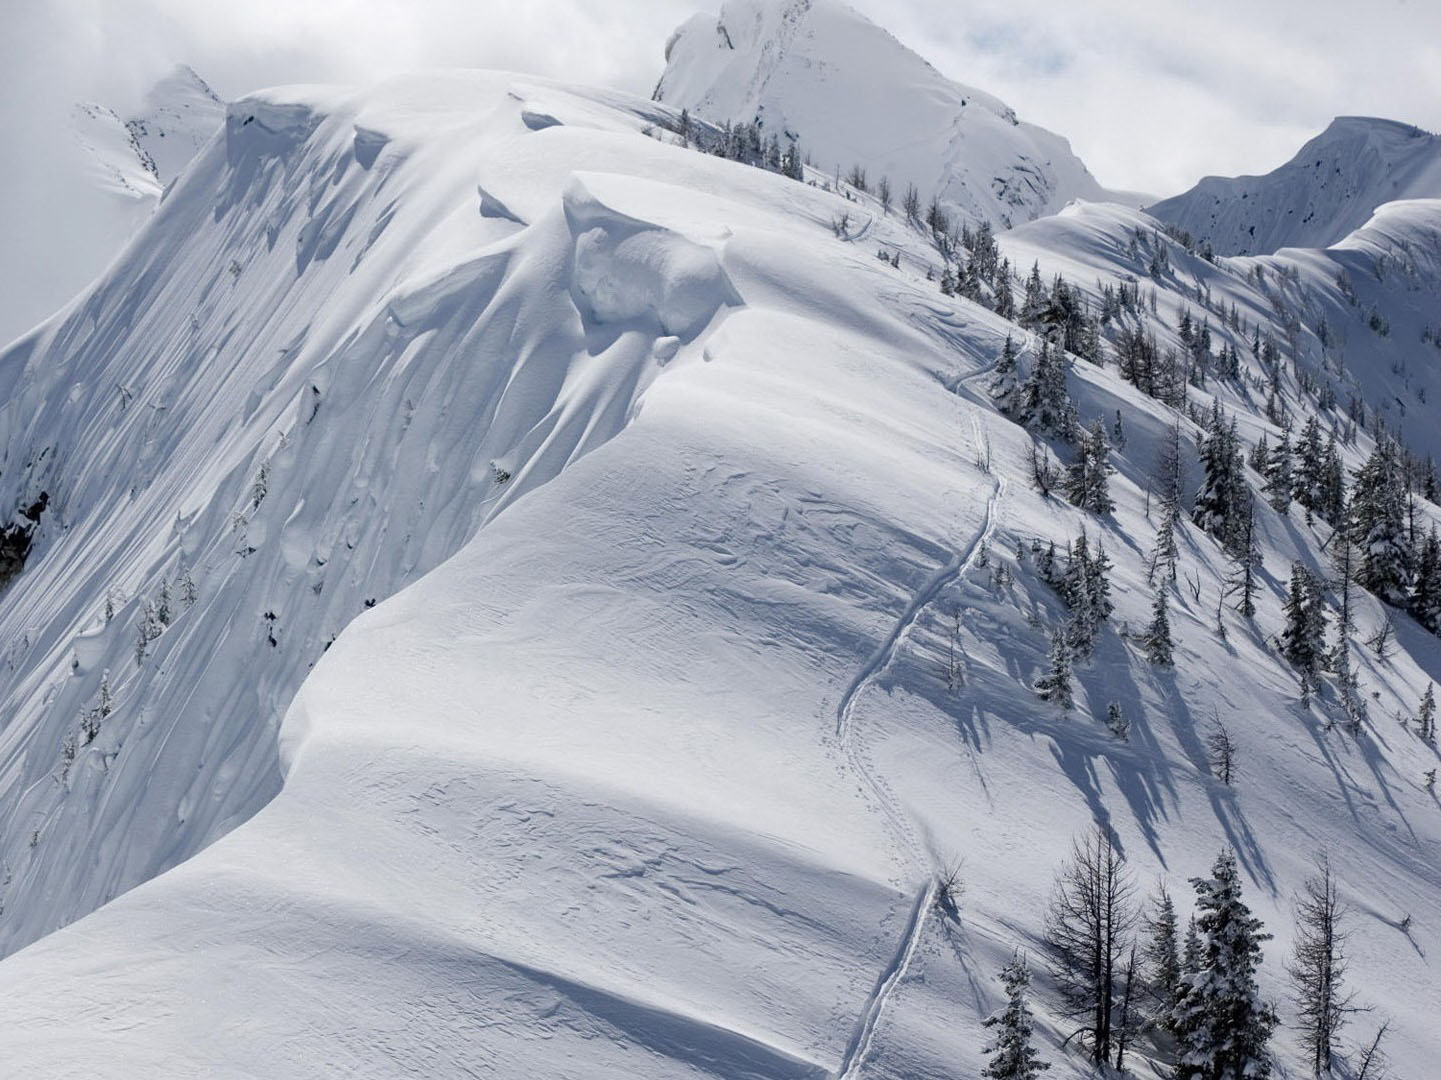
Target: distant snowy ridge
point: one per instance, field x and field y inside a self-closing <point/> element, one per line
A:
<point x="134" y="157"/>
<point x="854" y="95"/>
<point x="1329" y="189"/>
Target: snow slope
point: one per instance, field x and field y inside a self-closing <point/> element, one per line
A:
<point x="1329" y="189"/>
<point x="643" y="764"/>
<point x="817" y="70"/>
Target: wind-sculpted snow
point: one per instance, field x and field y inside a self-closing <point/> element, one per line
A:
<point x="688" y="613"/>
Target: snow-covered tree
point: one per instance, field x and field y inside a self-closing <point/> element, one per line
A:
<point x="1426" y="589"/>
<point x="1087" y="478"/>
<point x="1378" y="524"/>
<point x="1157" y="637"/>
<point x="1011" y="1056"/>
<point x="1045" y="403"/>
<point x="1055" y="685"/>
<point x="1005" y="384"/>
<point x="1279" y="481"/>
<point x="1303" y="640"/>
<point x="1426" y="715"/>
<point x="1317" y="966"/>
<point x="1222" y="1026"/>
<point x="1223" y="497"/>
<point x="1162" y="952"/>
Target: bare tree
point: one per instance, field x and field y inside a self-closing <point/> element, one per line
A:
<point x="1317" y="966"/>
<point x="1221" y="750"/>
<point x="1373" y="1064"/>
<point x="1087" y="937"/>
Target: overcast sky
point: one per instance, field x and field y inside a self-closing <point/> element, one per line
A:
<point x="1152" y="95"/>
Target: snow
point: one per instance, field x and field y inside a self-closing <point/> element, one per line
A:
<point x="1329" y="189"/>
<point x="643" y="507"/>
<point x="852" y="94"/>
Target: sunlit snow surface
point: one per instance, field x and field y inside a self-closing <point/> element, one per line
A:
<point x="643" y="763"/>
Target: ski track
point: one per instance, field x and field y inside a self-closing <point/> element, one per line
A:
<point x="861" y="1038"/>
<point x="860" y="1041"/>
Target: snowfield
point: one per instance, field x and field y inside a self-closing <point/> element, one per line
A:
<point x="566" y="541"/>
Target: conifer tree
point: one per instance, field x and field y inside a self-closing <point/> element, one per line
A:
<point x="1033" y="301"/>
<point x="1004" y="387"/>
<point x="1011" y="1055"/>
<point x="1426" y="591"/>
<point x="1223" y="496"/>
<point x="1426" y="716"/>
<point x="1303" y="640"/>
<point x="1378" y="524"/>
<point x="1222" y="1026"/>
<point x="1076" y="589"/>
<point x="1162" y="952"/>
<point x="1045" y="403"/>
<point x="1005" y="298"/>
<point x="1279" y="481"/>
<point x="1247" y="560"/>
<point x="1055" y="685"/>
<point x="1157" y="637"/>
<point x="1087" y="478"/>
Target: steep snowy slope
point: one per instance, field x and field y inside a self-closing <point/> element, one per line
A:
<point x="853" y="95"/>
<point x="1330" y="188"/>
<point x="654" y="776"/>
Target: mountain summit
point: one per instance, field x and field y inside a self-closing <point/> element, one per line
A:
<point x="1329" y="189"/>
<point x="852" y="94"/>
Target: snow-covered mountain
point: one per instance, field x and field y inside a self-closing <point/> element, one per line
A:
<point x="1330" y="188"/>
<point x="495" y="591"/>
<point x="132" y="158"/>
<point x="853" y="95"/>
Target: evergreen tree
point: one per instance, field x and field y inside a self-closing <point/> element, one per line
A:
<point x="1004" y="387"/>
<point x="1426" y="717"/>
<point x="1005" y="298"/>
<point x="1223" y="496"/>
<point x="1033" y="301"/>
<point x="1317" y="966"/>
<point x="1303" y="641"/>
<point x="1087" y="483"/>
<point x="1077" y="591"/>
<point x="1426" y="591"/>
<point x="1279" y="481"/>
<point x="1045" y="403"/>
<point x="1012" y="1057"/>
<point x="1222" y="1025"/>
<point x="1378" y="524"/>
<point x="1247" y="560"/>
<point x="1162" y="953"/>
<point x="1157" y="637"/>
<point x="1055" y="685"/>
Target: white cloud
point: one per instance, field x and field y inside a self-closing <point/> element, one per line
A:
<point x="1152" y="95"/>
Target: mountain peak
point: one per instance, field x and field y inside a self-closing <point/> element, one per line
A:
<point x="818" y="71"/>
